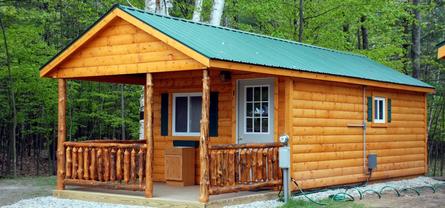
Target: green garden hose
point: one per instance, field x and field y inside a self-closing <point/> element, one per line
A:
<point x="390" y="187"/>
<point x="358" y="191"/>
<point x="412" y="189"/>
<point x="342" y="196"/>
<point x="345" y="196"/>
<point x="304" y="194"/>
<point x="370" y="190"/>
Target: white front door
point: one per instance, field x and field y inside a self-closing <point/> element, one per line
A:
<point x="255" y="111"/>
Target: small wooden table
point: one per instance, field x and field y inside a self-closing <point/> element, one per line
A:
<point x="180" y="166"/>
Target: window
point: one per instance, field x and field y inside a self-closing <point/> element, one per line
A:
<point x="186" y="114"/>
<point x="257" y="109"/>
<point x="379" y="110"/>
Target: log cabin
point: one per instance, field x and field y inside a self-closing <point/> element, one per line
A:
<point x="229" y="95"/>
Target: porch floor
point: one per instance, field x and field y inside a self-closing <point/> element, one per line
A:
<point x="164" y="196"/>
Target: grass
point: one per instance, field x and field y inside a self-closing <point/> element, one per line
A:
<point x="331" y="204"/>
<point x="31" y="180"/>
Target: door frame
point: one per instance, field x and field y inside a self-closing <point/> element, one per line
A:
<point x="275" y="102"/>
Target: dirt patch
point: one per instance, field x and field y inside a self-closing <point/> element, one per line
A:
<point x="14" y="190"/>
<point x="427" y="199"/>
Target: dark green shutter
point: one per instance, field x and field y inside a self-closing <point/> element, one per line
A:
<point x="370" y="109"/>
<point x="389" y="111"/>
<point x="164" y="114"/>
<point x="213" y="114"/>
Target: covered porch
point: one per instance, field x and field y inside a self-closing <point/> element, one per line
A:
<point x="225" y="167"/>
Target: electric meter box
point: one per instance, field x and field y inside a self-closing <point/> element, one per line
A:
<point x="284" y="157"/>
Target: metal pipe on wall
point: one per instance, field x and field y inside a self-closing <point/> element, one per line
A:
<point x="364" y="130"/>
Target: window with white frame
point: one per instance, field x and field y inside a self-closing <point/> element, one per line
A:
<point x="186" y="114"/>
<point x="379" y="110"/>
<point x="257" y="109"/>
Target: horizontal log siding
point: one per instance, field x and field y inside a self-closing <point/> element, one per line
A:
<point x="400" y="145"/>
<point x="188" y="82"/>
<point x="328" y="152"/>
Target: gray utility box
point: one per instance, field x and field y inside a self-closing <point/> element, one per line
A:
<point x="284" y="157"/>
<point x="372" y="161"/>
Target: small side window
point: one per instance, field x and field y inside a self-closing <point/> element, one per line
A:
<point x="379" y="110"/>
<point x="186" y="114"/>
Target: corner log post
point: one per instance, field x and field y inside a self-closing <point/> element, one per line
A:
<point x="148" y="134"/>
<point x="204" y="138"/>
<point x="61" y="134"/>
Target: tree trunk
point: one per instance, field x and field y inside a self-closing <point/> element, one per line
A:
<point x="359" y="39"/>
<point x="150" y="6"/>
<point x="12" y="97"/>
<point x="301" y="20"/>
<point x="122" y="113"/>
<point x="197" y="11"/>
<point x="364" y="33"/>
<point x="415" y="48"/>
<point x="217" y="12"/>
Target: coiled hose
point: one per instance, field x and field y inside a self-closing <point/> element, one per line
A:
<point x="345" y="196"/>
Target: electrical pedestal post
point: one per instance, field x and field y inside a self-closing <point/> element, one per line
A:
<point x="284" y="163"/>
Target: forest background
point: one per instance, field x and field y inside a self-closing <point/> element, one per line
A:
<point x="401" y="34"/>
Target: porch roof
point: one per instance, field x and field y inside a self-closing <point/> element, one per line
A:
<point x="212" y="43"/>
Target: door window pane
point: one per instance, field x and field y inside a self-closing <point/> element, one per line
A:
<point x="249" y="109"/>
<point x="265" y="109"/>
<point x="249" y="94"/>
<point x="181" y="114"/>
<point x="257" y="109"/>
<point x="264" y="125"/>
<point x="249" y="127"/>
<point x="195" y="113"/>
<point x="256" y="125"/>
<point x="265" y="93"/>
<point x="257" y="94"/>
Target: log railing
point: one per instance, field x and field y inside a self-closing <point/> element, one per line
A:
<point x="110" y="164"/>
<point x="242" y="167"/>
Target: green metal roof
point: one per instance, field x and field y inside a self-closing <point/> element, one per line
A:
<point x="221" y="43"/>
<point x="440" y="44"/>
<point x="238" y="46"/>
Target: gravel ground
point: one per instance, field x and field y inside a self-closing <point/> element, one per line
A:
<point x="53" y="202"/>
<point x="401" y="184"/>
<point x="389" y="198"/>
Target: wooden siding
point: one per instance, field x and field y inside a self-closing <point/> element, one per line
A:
<point x="121" y="48"/>
<point x="328" y="152"/>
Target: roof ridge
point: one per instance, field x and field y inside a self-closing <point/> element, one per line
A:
<point x="244" y="32"/>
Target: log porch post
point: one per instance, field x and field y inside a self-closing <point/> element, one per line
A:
<point x="148" y="134"/>
<point x="204" y="137"/>
<point x="61" y="134"/>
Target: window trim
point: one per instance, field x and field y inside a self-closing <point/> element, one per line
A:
<point x="188" y="95"/>
<point x="374" y="119"/>
<point x="268" y="109"/>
